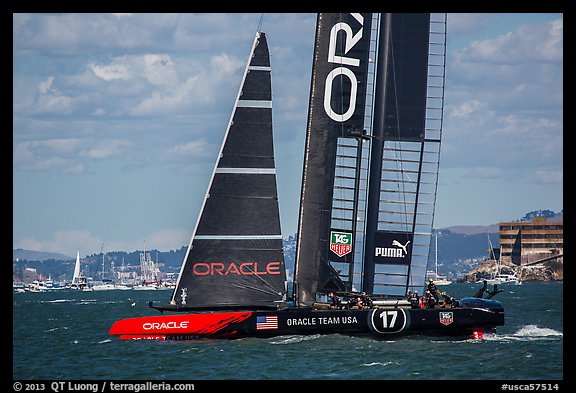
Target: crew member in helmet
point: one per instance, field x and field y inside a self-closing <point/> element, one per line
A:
<point x="433" y="289"/>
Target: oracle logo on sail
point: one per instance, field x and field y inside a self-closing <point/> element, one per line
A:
<point x="240" y="269"/>
<point x="165" y="325"/>
<point x="350" y="41"/>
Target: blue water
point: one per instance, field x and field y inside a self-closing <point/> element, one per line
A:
<point x="63" y="335"/>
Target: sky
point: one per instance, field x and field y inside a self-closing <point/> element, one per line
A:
<point x="118" y="118"/>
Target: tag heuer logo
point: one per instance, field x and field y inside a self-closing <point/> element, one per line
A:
<point x="446" y="318"/>
<point x="340" y="243"/>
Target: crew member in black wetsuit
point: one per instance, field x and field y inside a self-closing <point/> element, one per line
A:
<point x="413" y="298"/>
<point x="430" y="300"/>
<point x="335" y="300"/>
<point x="366" y="301"/>
<point x="448" y="301"/>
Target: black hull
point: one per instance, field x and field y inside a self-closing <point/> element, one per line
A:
<point x="477" y="317"/>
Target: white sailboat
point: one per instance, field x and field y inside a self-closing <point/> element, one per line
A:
<point x="433" y="275"/>
<point x="79" y="282"/>
<point x="499" y="277"/>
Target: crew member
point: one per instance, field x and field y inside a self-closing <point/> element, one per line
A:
<point x="422" y="302"/>
<point x="335" y="300"/>
<point x="430" y="300"/>
<point x="366" y="301"/>
<point x="433" y="289"/>
<point x="413" y="298"/>
<point x="357" y="302"/>
<point x="448" y="301"/>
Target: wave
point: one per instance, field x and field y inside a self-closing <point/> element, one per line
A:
<point x="105" y="341"/>
<point x="527" y="333"/>
<point x="293" y="339"/>
<point x="380" y="364"/>
<point x="535" y="331"/>
<point x="54" y="301"/>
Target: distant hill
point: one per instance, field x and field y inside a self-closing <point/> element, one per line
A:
<point x="460" y="248"/>
<point x="473" y="229"/>
<point x="494" y="228"/>
<point x="29" y="255"/>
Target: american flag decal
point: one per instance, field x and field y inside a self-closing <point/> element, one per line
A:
<point x="267" y="322"/>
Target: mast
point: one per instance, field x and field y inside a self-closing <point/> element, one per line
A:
<point x="373" y="200"/>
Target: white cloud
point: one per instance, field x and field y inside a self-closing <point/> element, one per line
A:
<point x="44" y="86"/>
<point x="202" y="88"/>
<point x="190" y="149"/>
<point x="106" y="148"/>
<point x="49" y="100"/>
<point x="528" y="43"/>
<point x="48" y="154"/>
<point x="157" y="69"/>
<point x="111" y="71"/>
<point x="549" y="176"/>
<point x="465" y="109"/>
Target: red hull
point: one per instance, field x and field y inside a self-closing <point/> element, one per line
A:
<point x="158" y="327"/>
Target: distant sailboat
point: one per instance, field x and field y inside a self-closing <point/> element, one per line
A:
<point x="365" y="217"/>
<point x="107" y="284"/>
<point x="499" y="277"/>
<point x="434" y="276"/>
<point x="79" y="282"/>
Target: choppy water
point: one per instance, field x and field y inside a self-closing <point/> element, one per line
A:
<point x="63" y="335"/>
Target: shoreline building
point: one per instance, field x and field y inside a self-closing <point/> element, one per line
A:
<point x="528" y="242"/>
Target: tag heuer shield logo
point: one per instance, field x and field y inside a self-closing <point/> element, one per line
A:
<point x="340" y="243"/>
<point x="446" y="318"/>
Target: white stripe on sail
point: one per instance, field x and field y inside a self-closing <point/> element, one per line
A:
<point x="259" y="68"/>
<point x="255" y="171"/>
<point x="254" y="104"/>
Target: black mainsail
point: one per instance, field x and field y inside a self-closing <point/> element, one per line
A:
<point x="372" y="154"/>
<point x="235" y="257"/>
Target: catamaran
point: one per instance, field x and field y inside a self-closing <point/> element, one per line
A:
<point x="367" y="201"/>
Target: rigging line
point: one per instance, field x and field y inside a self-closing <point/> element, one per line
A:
<point x="260" y="22"/>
